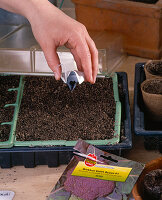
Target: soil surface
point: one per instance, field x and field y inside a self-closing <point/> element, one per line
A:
<point x="50" y="111"/>
<point x="153" y="185"/>
<point x="155" y="68"/>
<point x="6" y="97"/>
<point x="154" y="87"/>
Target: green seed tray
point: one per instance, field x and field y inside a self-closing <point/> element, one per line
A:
<point x="9" y="143"/>
<point x="112" y="141"/>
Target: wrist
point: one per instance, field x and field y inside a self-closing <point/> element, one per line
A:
<point x="33" y="8"/>
<point x="37" y="8"/>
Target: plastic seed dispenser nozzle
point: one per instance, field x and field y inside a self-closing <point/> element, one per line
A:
<point x="72" y="78"/>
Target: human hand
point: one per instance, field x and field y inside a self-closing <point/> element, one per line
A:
<point x="52" y="28"/>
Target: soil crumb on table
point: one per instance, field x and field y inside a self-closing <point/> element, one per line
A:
<point x="6" y="97"/>
<point x="50" y="111"/>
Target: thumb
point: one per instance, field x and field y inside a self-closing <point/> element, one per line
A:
<point x="53" y="61"/>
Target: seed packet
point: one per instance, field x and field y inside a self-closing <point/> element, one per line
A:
<point x="93" y="174"/>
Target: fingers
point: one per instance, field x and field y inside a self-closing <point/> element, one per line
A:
<point x="53" y="61"/>
<point x="94" y="57"/>
<point x="77" y="59"/>
<point x="82" y="50"/>
<point x="85" y="53"/>
<point x="86" y="57"/>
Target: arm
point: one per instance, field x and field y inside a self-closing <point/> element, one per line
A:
<point x="52" y="28"/>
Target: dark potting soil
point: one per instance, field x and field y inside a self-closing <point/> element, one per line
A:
<point x="50" y="111"/>
<point x="4" y="133"/>
<point x="155" y="68"/>
<point x="153" y="185"/>
<point x="154" y="87"/>
<point x="6" y="97"/>
<point x="146" y="1"/>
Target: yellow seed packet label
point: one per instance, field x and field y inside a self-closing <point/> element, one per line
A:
<point x="104" y="172"/>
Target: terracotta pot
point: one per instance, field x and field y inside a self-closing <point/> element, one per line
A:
<point x="137" y="191"/>
<point x="150" y="73"/>
<point x="153" y="102"/>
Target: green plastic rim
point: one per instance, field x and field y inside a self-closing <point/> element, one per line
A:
<point x="10" y="142"/>
<point x="112" y="141"/>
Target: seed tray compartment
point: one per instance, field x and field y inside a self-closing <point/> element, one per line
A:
<point x="114" y="140"/>
<point x="140" y="120"/>
<point x="12" y="123"/>
<point x="56" y="155"/>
